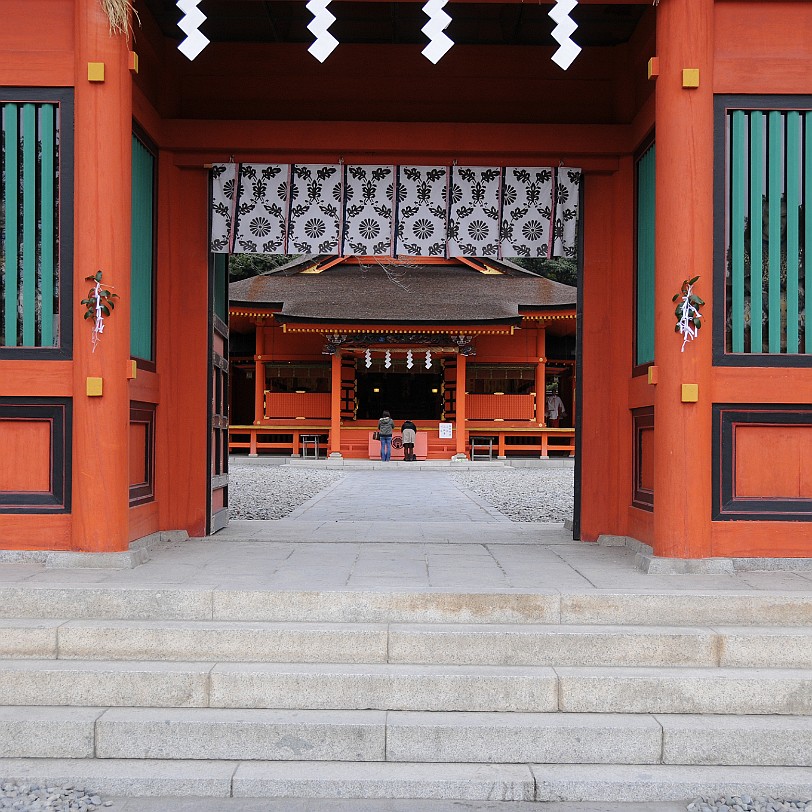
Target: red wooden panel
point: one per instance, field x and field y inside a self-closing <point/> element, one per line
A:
<point x="25" y="464"/>
<point x="506" y="407"/>
<point x="647" y="459"/>
<point x="138" y="453"/>
<point x="307" y="404"/>
<point x="789" y="472"/>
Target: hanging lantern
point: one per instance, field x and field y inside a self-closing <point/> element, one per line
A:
<point x="409" y="361"/>
<point x="367" y="359"/>
<point x="190" y="23"/>
<point x="387" y="361"/>
<point x="428" y="359"/>
<point x="439" y="42"/>
<point x="325" y="43"/>
<point x="562" y="33"/>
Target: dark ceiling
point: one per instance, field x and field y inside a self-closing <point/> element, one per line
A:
<point x="374" y="23"/>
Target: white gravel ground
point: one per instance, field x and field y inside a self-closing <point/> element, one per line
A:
<point x="273" y="491"/>
<point x="524" y="494"/>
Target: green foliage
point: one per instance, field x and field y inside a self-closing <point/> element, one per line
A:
<point x="693" y="305"/>
<point x="105" y="296"/>
<point x="563" y="270"/>
<point x="244" y="266"/>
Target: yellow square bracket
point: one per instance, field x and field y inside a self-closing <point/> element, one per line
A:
<point x="94" y="387"/>
<point x="132" y="61"/>
<point x="95" y="71"/>
<point x="690" y="77"/>
<point x="653" y="375"/>
<point x="132" y="370"/>
<point x="654" y="67"/>
<point x="690" y="392"/>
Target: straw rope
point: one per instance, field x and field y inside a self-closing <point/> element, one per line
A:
<point x="118" y="13"/>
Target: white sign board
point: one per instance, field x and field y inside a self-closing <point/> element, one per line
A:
<point x="446" y="431"/>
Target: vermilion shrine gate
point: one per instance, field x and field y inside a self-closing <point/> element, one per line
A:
<point x="689" y="120"/>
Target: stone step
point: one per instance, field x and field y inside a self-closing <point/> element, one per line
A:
<point x="281" y="735"/>
<point x="462" y="644"/>
<point x="339" y="686"/>
<point x="603" y="607"/>
<point x="360" y="780"/>
<point x="685" y="690"/>
<point x="283" y="685"/>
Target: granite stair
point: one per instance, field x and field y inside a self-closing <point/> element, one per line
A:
<point x="605" y="696"/>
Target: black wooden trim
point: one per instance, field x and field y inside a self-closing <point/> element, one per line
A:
<point x="579" y="367"/>
<point x="726" y="506"/>
<point x="721" y="104"/>
<point x="64" y="98"/>
<point x="642" y="420"/>
<point x="144" y="491"/>
<point x="58" y="412"/>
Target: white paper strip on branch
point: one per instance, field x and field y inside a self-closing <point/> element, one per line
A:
<point x="421" y="214"/>
<point x="262" y="209"/>
<point x="223" y="188"/>
<point x="315" y="209"/>
<point x="368" y="214"/>
<point x="527" y="197"/>
<point x="473" y="224"/>
<point x="567" y="195"/>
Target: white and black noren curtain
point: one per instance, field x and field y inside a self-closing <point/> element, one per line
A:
<point x="384" y="210"/>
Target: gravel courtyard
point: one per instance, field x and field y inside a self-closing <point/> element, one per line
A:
<point x="522" y="494"/>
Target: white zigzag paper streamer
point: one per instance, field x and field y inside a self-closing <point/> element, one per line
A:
<point x="428" y="359"/>
<point x="190" y="23"/>
<point x="439" y="43"/>
<point x="563" y="32"/>
<point x="367" y="359"/>
<point x="409" y="359"/>
<point x="387" y="361"/>
<point x="325" y="43"/>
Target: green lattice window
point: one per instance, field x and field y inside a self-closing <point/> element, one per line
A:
<point x="768" y="179"/>
<point x="34" y="266"/>
<point x="142" y="268"/>
<point x="644" y="287"/>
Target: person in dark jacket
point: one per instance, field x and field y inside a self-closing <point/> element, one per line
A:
<point x="409" y="432"/>
<point x="385" y="428"/>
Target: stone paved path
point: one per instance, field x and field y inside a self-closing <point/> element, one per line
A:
<point x="424" y="496"/>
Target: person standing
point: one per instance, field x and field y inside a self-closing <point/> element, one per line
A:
<point x="385" y="428"/>
<point x="555" y="409"/>
<point x="409" y="432"/>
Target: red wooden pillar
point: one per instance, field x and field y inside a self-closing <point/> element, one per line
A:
<point x="259" y="373"/>
<point x="684" y="248"/>
<point x="335" y="403"/>
<point x="541" y="375"/>
<point x="103" y="166"/>
<point x="462" y="396"/>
